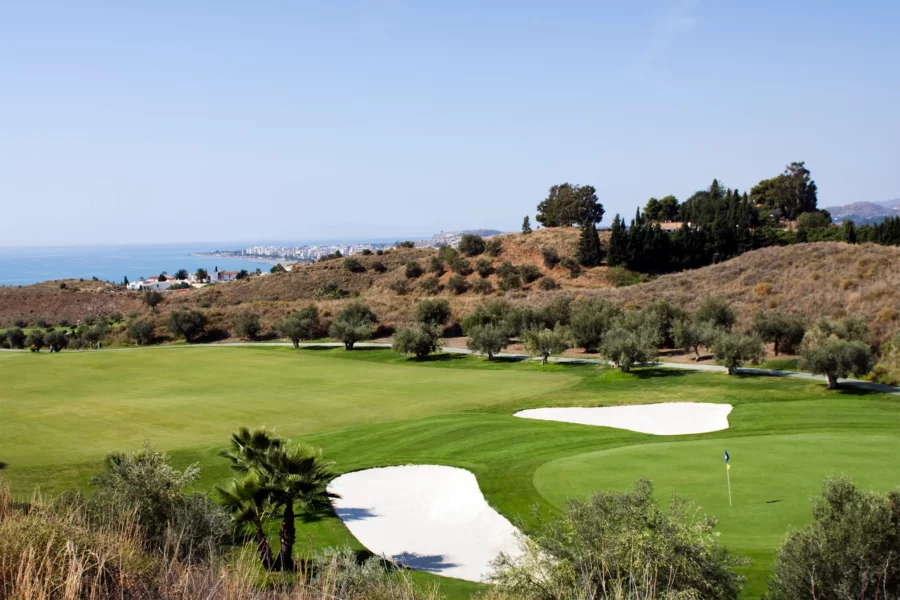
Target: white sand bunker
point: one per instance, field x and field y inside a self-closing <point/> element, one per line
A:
<point x="671" y="418"/>
<point x="426" y="517"/>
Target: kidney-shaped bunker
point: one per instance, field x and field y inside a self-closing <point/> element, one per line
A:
<point x="426" y="517"/>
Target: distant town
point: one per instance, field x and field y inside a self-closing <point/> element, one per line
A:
<point x="309" y="254"/>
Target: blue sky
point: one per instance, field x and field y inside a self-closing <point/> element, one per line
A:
<point x="185" y="121"/>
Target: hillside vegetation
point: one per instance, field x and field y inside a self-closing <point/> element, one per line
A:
<point x="817" y="279"/>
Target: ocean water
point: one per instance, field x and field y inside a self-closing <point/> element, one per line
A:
<point x="22" y="266"/>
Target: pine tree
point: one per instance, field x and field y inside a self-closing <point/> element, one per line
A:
<point x="589" y="252"/>
<point x="526" y="225"/>
<point x="618" y="242"/>
<point x="125" y="281"/>
<point x="849" y="232"/>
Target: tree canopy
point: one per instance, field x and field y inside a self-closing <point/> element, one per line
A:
<point x="568" y="205"/>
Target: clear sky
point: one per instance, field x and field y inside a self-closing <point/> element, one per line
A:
<point x="182" y="120"/>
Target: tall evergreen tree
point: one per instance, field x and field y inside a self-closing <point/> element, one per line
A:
<point x="526" y="225"/>
<point x="618" y="242"/>
<point x="589" y="252"/>
<point x="848" y="232"/>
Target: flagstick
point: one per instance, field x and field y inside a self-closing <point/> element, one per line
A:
<point x="728" y="478"/>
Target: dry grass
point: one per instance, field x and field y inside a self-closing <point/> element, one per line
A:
<point x="53" y="552"/>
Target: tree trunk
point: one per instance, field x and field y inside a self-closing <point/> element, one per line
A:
<point x="348" y="345"/>
<point x="296" y="343"/>
<point x="832" y="381"/>
<point x="490" y="355"/>
<point x="263" y="548"/>
<point x="697" y="352"/>
<point x="543" y="359"/>
<point x="732" y="370"/>
<point x="287" y="537"/>
<point x="776" y="347"/>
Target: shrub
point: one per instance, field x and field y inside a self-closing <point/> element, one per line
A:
<point x="482" y="286"/>
<point x="56" y="340"/>
<point x="378" y="267"/>
<point x="64" y="323"/>
<point x="20" y="323"/>
<point x="379" y="252"/>
<point x="413" y="270"/>
<point x="486" y="339"/>
<point x="448" y="254"/>
<point x="572" y="265"/>
<point x="353" y="265"/>
<point x="15" y="337"/>
<point x="280" y="268"/>
<point x="399" y="286"/>
<point x="141" y="331"/>
<point x="461" y="266"/>
<point x="836" y="359"/>
<point x="849" y="551"/>
<point x="436" y="266"/>
<point x="332" y="290"/>
<point x="186" y="323"/>
<point x="492" y="312"/>
<point x="365" y="252"/>
<point x="783" y="330"/>
<point x="354" y="323"/>
<point x="510" y="282"/>
<point x="246" y="325"/>
<point x="732" y="349"/>
<point x="434" y="313"/>
<point x="35" y="340"/>
<point x="484" y="267"/>
<point x="631" y="340"/>
<point x="548" y="283"/>
<point x="529" y="273"/>
<point x="144" y="486"/>
<point x="115" y="317"/>
<point x="493" y="247"/>
<point x="717" y="312"/>
<point x="622" y="277"/>
<point x="618" y="541"/>
<point x="430" y="285"/>
<point x="41" y="323"/>
<point x="544" y="342"/>
<point x="550" y="256"/>
<point x="63" y="285"/>
<point x="471" y="244"/>
<point x="690" y="335"/>
<point x="301" y="325"/>
<point x="458" y="285"/>
<point x="407" y="244"/>
<point x="420" y="340"/>
<point x="591" y="319"/>
<point x="152" y="298"/>
<point x="506" y="268"/>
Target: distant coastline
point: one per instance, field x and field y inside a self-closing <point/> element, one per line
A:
<point x="257" y="259"/>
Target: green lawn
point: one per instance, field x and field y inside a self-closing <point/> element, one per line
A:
<point x="59" y="414"/>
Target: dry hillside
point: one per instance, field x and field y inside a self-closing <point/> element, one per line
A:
<point x="816" y="279"/>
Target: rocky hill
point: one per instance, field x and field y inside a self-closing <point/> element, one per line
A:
<point x="865" y="213"/>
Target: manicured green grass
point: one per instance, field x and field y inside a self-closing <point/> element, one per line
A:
<point x="61" y="414"/>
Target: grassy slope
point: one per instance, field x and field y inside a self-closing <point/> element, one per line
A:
<point x="820" y="279"/>
<point x="466" y="421"/>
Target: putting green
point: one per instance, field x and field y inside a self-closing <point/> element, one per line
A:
<point x="772" y="478"/>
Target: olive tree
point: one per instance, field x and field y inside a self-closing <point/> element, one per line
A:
<point x="782" y="329"/>
<point x="35" y="340"/>
<point x="717" y="312"/>
<point x="836" y="359"/>
<point x="15" y="337"/>
<point x="471" y="244"/>
<point x="434" y="313"/>
<point x="186" y="323"/>
<point x="487" y="339"/>
<point x="544" y="342"/>
<point x="733" y="349"/>
<point x="56" y="340"/>
<point x="591" y="319"/>
<point x="301" y="325"/>
<point x="420" y="340"/>
<point x="850" y="549"/>
<point x="152" y="298"/>
<point x="141" y="331"/>
<point x="247" y="326"/>
<point x="631" y="340"/>
<point x="356" y="322"/>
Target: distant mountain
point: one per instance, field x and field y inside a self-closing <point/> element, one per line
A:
<point x="865" y="213"/>
<point x="451" y="238"/>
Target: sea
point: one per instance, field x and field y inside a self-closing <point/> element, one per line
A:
<point x="23" y="266"/>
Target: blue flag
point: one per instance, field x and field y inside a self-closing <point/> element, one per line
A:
<point x="726" y="457"/>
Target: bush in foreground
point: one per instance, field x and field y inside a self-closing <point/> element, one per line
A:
<point x="851" y="549"/>
<point x="621" y="546"/>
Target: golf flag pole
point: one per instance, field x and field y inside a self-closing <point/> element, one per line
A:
<point x="728" y="476"/>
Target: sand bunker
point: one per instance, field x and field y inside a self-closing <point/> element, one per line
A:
<point x="426" y="517"/>
<point x="672" y="418"/>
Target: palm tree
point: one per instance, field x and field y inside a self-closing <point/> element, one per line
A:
<point x="298" y="479"/>
<point x="279" y="481"/>
<point x="248" y="502"/>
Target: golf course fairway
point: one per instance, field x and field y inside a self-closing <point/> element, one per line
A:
<point x="61" y="414"/>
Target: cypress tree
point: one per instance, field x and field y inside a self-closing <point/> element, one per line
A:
<point x="526" y="225"/>
<point x="618" y="242"/>
<point x="849" y="232"/>
<point x="589" y="252"/>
